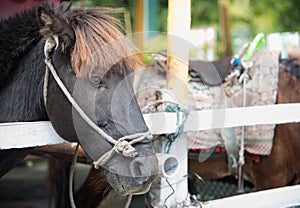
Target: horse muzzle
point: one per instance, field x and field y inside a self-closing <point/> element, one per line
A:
<point x="142" y="173"/>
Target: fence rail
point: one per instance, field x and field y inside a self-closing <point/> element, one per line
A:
<point x="32" y="134"/>
<point x="274" y="198"/>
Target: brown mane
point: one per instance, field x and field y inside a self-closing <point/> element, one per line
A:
<point x="99" y="43"/>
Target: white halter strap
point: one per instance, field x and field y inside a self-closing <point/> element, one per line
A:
<point x="121" y="145"/>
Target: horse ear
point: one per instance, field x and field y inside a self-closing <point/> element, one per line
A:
<point x="52" y="26"/>
<point x="65" y="5"/>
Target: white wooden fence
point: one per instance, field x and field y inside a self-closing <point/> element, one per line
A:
<point x="33" y="134"/>
<point x="275" y="198"/>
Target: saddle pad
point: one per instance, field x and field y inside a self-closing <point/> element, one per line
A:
<point x="261" y="90"/>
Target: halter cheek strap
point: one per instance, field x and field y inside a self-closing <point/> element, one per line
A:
<point x="121" y="145"/>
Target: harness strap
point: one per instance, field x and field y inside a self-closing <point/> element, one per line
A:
<point x="244" y="77"/>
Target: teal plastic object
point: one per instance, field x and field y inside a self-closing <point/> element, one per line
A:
<point x="257" y="44"/>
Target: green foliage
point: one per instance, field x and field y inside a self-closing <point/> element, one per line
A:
<point x="163" y="15"/>
<point x="248" y="17"/>
<point x="276" y="16"/>
<point x="204" y="12"/>
<point x="87" y="3"/>
<point x="241" y="14"/>
<point x="257" y="15"/>
<point x="127" y="4"/>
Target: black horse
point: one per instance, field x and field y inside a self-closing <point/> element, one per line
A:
<point x="95" y="65"/>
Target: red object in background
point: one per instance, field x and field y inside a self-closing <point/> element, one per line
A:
<point x="11" y="7"/>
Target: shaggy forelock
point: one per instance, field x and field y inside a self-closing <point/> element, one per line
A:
<point x="99" y="43"/>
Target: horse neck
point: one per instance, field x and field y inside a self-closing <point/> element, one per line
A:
<point x="288" y="87"/>
<point x="21" y="97"/>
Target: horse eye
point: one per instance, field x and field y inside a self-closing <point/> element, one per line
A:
<point x="96" y="81"/>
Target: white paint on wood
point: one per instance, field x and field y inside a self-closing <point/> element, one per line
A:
<point x="28" y="134"/>
<point x="31" y="134"/>
<point x="275" y="198"/>
<point x="165" y="123"/>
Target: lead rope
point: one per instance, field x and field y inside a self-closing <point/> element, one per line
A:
<point x="128" y="202"/>
<point x="71" y="177"/>
<point x="256" y="43"/>
<point x="243" y="79"/>
<point x="120" y="146"/>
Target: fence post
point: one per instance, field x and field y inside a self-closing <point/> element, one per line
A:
<point x="179" y="18"/>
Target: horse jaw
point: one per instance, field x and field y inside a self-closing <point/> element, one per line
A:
<point x="124" y="185"/>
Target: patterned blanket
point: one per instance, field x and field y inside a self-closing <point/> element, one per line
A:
<point x="261" y="90"/>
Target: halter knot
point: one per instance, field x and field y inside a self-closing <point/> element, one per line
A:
<point x="124" y="147"/>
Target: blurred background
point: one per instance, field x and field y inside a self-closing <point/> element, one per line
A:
<point x="278" y="20"/>
<point x="218" y="27"/>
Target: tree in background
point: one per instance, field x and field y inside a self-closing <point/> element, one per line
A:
<point x="276" y="16"/>
<point x="248" y="17"/>
<point x="258" y="15"/>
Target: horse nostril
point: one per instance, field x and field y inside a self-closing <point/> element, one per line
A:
<point x="102" y="124"/>
<point x="138" y="169"/>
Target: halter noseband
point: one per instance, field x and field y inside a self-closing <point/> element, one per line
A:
<point x="121" y="145"/>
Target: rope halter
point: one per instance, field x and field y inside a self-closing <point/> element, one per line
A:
<point x="121" y="145"/>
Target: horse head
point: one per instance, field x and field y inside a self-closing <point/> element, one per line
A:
<point x="95" y="64"/>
